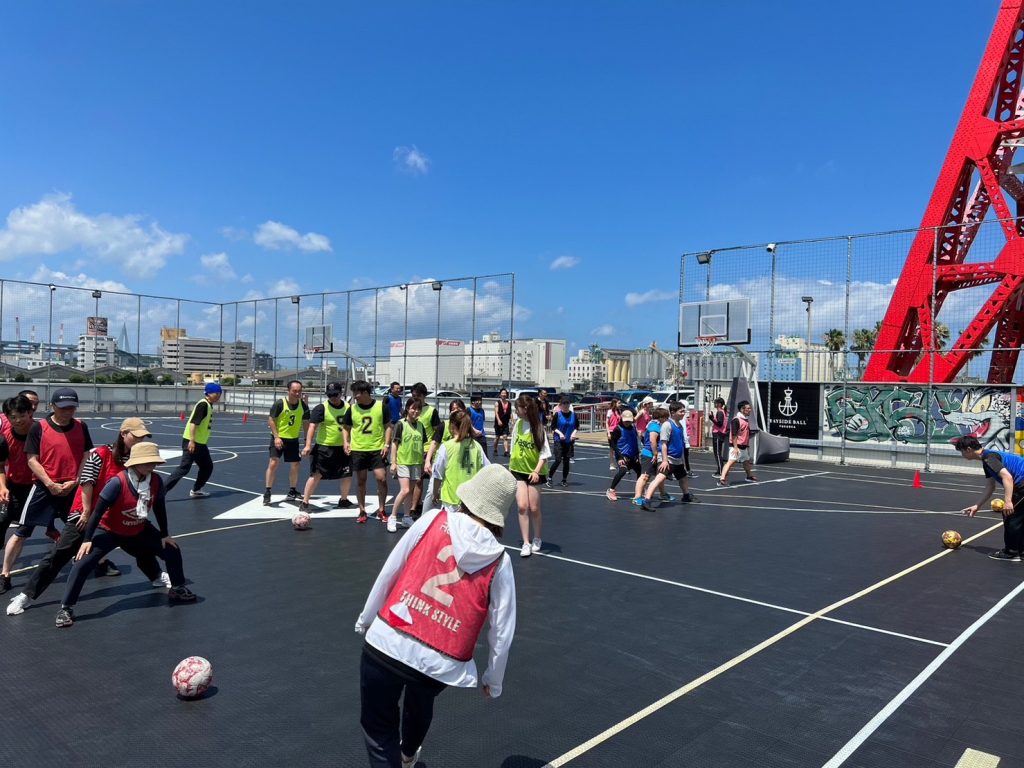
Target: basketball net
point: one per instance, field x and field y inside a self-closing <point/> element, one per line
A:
<point x="705" y="343"/>
<point x="310" y="351"/>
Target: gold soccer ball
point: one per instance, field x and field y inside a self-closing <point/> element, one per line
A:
<point x="951" y="539"/>
<point x="998" y="505"/>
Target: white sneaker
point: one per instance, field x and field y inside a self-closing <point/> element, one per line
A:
<point x="535" y="546"/>
<point x="526" y="551"/>
<point x="392" y="524"/>
<point x="163" y="580"/>
<point x="409" y="762"/>
<point x="18" y="604"/>
<point x="198" y="494"/>
<point x="613" y="466"/>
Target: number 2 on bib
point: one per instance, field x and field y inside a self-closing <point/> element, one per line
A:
<point x="432" y="586"/>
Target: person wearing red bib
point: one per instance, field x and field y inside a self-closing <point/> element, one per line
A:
<point x="426" y="610"/>
<point x="18" y="420"/>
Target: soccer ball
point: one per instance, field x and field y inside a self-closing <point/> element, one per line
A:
<point x="951" y="539"/>
<point x="192" y="677"/>
<point x="998" y="505"/>
<point x="301" y="521"/>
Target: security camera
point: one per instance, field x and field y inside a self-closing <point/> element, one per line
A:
<point x="771" y="248"/>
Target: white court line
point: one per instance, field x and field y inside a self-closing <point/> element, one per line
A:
<point x="216" y="485"/>
<point x="886" y="712"/>
<point x="739" y="659"/>
<point x="728" y="596"/>
<point x="742" y="484"/>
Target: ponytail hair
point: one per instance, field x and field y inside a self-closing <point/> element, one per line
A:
<point x="533" y="416"/>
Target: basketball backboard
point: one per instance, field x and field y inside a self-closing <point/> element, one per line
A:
<point x="319" y="338"/>
<point x="728" y="321"/>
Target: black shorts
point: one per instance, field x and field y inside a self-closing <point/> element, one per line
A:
<point x="525" y="477"/>
<point x="500" y="431"/>
<point x="289" y="451"/>
<point x="42" y="507"/>
<point x="649" y="465"/>
<point x="677" y="471"/>
<point x="364" y="461"/>
<point x="330" y="461"/>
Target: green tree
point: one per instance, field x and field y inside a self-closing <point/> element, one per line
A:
<point x="77" y="378"/>
<point x="147" y="377"/>
<point x="863" y="343"/>
<point x="835" y="341"/>
<point x="21" y="378"/>
<point x="228" y="381"/>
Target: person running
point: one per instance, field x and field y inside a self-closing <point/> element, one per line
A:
<point x="626" y="442"/>
<point x="103" y="463"/>
<point x="720" y="435"/>
<point x="458" y="460"/>
<point x="122" y="519"/>
<point x="478" y="416"/>
<point x="424" y="615"/>
<point x="645" y="414"/>
<point x="649" y="454"/>
<point x="368" y="444"/>
<point x="1003" y="470"/>
<point x="671" y="447"/>
<point x="502" y="422"/>
<point x="407" y="456"/>
<point x="611" y="421"/>
<point x="56" y="449"/>
<point x="740" y="431"/>
<point x="528" y="464"/>
<point x="431" y="421"/>
<point x="564" y="425"/>
<point x="194" y="443"/>
<point x="287" y="420"/>
<point x="325" y="442"/>
<point x="393" y="401"/>
<point x="18" y="477"/>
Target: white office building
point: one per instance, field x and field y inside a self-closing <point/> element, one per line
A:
<point x="494" y="360"/>
<point x="206" y="356"/>
<point x="96" y="352"/>
<point x="438" y="363"/>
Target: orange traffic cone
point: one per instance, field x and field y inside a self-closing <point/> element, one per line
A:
<point x="245" y="418"/>
<point x="182" y="415"/>
<point x="917" y="479"/>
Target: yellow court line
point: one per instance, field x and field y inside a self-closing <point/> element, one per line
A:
<point x="972" y="758"/>
<point x="737" y="660"/>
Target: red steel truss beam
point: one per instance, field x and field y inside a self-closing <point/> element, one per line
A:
<point x="992" y="117"/>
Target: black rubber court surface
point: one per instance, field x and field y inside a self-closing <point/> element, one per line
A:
<point x="811" y="619"/>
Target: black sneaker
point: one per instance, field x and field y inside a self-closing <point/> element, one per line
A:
<point x="5" y="584"/>
<point x="1006" y="556"/>
<point x="181" y="595"/>
<point x="688" y="498"/>
<point x="293" y="494"/>
<point x="547" y="483"/>
<point x="564" y="484"/>
<point x="646" y="505"/>
<point x="303" y="506"/>
<point x="65" y="618"/>
<point x="266" y="499"/>
<point x="344" y="504"/>
<point x="107" y="568"/>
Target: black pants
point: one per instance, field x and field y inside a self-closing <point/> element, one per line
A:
<point x="561" y="452"/>
<point x="621" y="471"/>
<point x="147" y="542"/>
<point x="387" y="733"/>
<point x="12" y="511"/>
<point x="720" y="446"/>
<point x="1013" y="526"/>
<point x="63" y="552"/>
<point x="201" y="457"/>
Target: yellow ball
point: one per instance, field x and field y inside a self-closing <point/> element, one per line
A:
<point x="998" y="505"/>
<point x="951" y="539"/>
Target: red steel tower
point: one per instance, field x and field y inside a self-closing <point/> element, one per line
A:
<point x="990" y="130"/>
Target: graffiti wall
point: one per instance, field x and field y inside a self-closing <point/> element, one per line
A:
<point x="904" y="413"/>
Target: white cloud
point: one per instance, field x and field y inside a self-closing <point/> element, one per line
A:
<point x="54" y="225"/>
<point x="275" y="236"/>
<point x="247" y="278"/>
<point x="636" y="299"/>
<point x="215" y="267"/>
<point x="234" y="233"/>
<point x="411" y="160"/>
<point x="44" y="274"/>
<point x="603" y="330"/>
<point x="565" y="262"/>
<point x="284" y="287"/>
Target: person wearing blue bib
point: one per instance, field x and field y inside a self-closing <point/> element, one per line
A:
<point x="564" y="425"/>
<point x="671" y="455"/>
<point x="626" y="443"/>
<point x="1007" y="470"/>
<point x="393" y="401"/>
<point x="478" y="416"/>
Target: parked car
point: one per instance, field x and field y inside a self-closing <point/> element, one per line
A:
<point x="632" y="397"/>
<point x="450" y="394"/>
<point x="517" y="392"/>
<point x="663" y="396"/>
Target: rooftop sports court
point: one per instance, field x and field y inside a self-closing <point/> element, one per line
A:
<point x="811" y="619"/>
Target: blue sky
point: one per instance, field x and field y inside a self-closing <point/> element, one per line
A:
<point x="226" y="151"/>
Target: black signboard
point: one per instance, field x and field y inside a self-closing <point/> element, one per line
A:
<point x="794" y="409"/>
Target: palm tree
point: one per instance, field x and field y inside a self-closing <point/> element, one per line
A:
<point x="835" y="340"/>
<point x="940" y="332"/>
<point x="863" y="342"/>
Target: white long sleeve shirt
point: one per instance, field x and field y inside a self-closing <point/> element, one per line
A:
<point x="474" y="548"/>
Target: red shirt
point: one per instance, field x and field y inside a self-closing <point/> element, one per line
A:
<point x="17" y="462"/>
<point x="120" y="518"/>
<point x="60" y="453"/>
<point x="108" y="469"/>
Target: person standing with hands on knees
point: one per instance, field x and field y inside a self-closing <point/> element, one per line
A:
<point x="452" y="567"/>
<point x="1005" y="471"/>
<point x="194" y="442"/>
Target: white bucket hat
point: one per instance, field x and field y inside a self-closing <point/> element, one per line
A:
<point x="489" y="494"/>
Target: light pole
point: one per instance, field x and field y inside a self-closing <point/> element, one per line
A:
<point x="96" y="314"/>
<point x="295" y="301"/>
<point x="808" y="300"/>
<point x="705" y="259"/>
<point x="49" y="367"/>
<point x="404" y="287"/>
<point x="437" y="286"/>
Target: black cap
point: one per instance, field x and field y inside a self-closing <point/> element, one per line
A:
<point x="65" y="397"/>
<point x="334" y="389"/>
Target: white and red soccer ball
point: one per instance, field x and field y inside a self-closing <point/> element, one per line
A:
<point x="301" y="521"/>
<point x="192" y="677"/>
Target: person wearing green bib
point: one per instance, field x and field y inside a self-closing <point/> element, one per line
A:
<point x="457" y="461"/>
<point x="367" y="426"/>
<point x="325" y="442"/>
<point x="431" y="421"/>
<point x="408" y="449"/>
<point x="528" y="465"/>
<point x="194" y="442"/>
<point x="288" y="416"/>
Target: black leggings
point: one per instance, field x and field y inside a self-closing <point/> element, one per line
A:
<point x="621" y="471"/>
<point x="201" y="457"/>
<point x="1013" y="526"/>
<point x="147" y="542"/>
<point x="63" y="551"/>
<point x="562" y="452"/>
<point x="720" y="446"/>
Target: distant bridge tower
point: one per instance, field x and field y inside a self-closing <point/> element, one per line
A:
<point x="976" y="176"/>
<point x="122" y="339"/>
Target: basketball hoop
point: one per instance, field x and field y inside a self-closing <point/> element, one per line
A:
<point x="310" y="351"/>
<point x="705" y="343"/>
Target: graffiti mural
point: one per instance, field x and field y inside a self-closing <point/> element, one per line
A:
<point x="904" y="413"/>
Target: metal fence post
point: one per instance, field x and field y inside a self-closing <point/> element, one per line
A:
<point x="472" y="344"/>
<point x="929" y="422"/>
<point x="846" y="354"/>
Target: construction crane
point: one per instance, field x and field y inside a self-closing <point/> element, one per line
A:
<point x="673" y="373"/>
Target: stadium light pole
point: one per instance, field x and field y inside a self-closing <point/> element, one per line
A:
<point x="705" y="259"/>
<point x="808" y="300"/>
<point x="295" y="301"/>
<point x="437" y="286"/>
<point x="96" y="314"/>
<point x="404" y="287"/>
